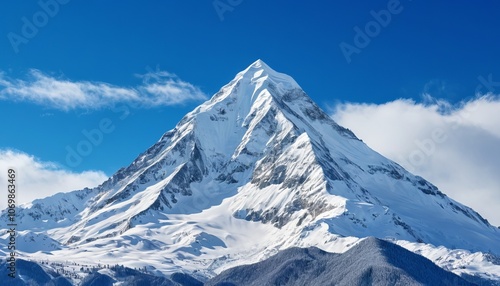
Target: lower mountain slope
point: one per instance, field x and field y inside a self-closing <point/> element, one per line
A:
<point x="31" y="273"/>
<point x="370" y="262"/>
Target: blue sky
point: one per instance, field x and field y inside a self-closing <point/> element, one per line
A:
<point x="156" y="60"/>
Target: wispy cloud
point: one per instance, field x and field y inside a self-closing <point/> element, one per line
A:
<point x="38" y="179"/>
<point x="158" y="88"/>
<point x="455" y="147"/>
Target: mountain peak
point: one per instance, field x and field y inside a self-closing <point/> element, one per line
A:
<point x="260" y="64"/>
<point x="260" y="72"/>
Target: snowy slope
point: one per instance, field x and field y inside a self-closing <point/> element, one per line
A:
<point x="256" y="169"/>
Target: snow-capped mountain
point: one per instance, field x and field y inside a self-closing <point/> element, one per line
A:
<point x="256" y="169"/>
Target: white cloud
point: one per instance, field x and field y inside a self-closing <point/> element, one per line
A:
<point x="158" y="88"/>
<point x="37" y="179"/>
<point x="456" y="148"/>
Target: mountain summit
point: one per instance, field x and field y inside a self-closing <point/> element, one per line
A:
<point x="256" y="169"/>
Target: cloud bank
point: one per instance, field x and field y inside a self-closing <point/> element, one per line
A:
<point x="455" y="147"/>
<point x="37" y="179"/>
<point x="158" y="88"/>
